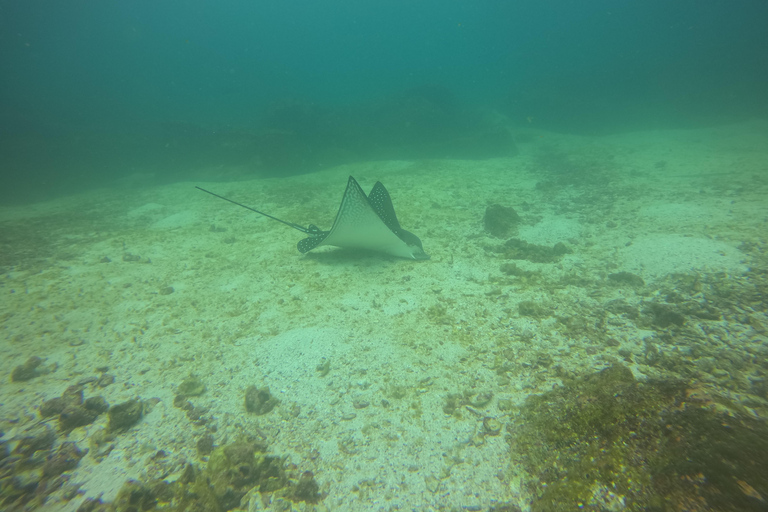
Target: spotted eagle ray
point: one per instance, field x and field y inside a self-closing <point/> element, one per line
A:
<point x="362" y="222"/>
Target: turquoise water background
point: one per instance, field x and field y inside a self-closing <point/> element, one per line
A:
<point x="98" y="91"/>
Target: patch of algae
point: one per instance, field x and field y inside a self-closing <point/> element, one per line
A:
<point x="234" y="473"/>
<point x="607" y="442"/>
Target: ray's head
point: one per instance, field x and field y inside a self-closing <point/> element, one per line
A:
<point x="415" y="249"/>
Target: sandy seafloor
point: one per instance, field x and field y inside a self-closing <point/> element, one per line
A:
<point x="248" y="309"/>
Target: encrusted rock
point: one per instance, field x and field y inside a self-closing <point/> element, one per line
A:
<point x="125" y="415"/>
<point x="205" y="444"/>
<point x="306" y="489"/>
<point x="40" y="438"/>
<point x="65" y="458"/>
<point x="491" y="426"/>
<point x="27" y="371"/>
<point x="259" y="401"/>
<point x="74" y="416"/>
<point x="501" y="220"/>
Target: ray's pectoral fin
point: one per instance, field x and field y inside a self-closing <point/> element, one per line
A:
<point x="315" y="238"/>
<point x="381" y="202"/>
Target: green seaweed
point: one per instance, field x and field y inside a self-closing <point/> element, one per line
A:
<point x="608" y="442"/>
<point x="234" y="475"/>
